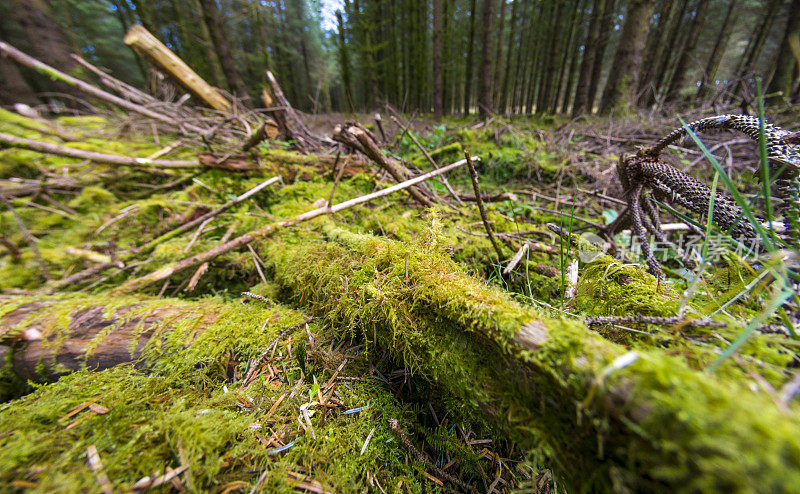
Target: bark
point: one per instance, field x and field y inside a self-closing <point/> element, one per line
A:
<point x="502" y="103"/>
<point x="654" y="51"/>
<point x="710" y="73"/>
<point x="485" y="107"/>
<point x="666" y="57"/>
<point x="498" y="54"/>
<point x="344" y="61"/>
<point x="555" y="53"/>
<point x="753" y="50"/>
<point x="36" y="354"/>
<point x="148" y="46"/>
<point x="211" y="54"/>
<point x="619" y="91"/>
<point x="216" y="28"/>
<point x="470" y="55"/>
<point x="597" y="68"/>
<point x="785" y="75"/>
<point x="571" y="45"/>
<point x="591" y="46"/>
<point x="687" y="53"/>
<point x="13" y="87"/>
<point x="438" y="102"/>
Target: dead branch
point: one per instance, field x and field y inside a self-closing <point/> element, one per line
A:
<point x="474" y="176"/>
<point x="154" y="51"/>
<point x="427" y="156"/>
<point x="109" y="159"/>
<point x="355" y="136"/>
<point x="269" y="230"/>
<point x="28" y="237"/>
<point x="49" y="71"/>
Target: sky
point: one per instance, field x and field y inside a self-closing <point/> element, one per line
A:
<point x="329" y="8"/>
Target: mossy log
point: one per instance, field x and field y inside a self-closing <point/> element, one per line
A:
<point x="606" y="417"/>
<point x="97" y="337"/>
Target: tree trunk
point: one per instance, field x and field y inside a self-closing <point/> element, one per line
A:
<point x="784" y="78"/>
<point x="502" y="104"/>
<point x="211" y="16"/>
<point x="675" y="23"/>
<point x="438" y="102"/>
<point x="710" y="74"/>
<point x="597" y="68"/>
<point x="578" y="40"/>
<point x="498" y="54"/>
<point x="745" y="67"/>
<point x="46" y="39"/>
<point x="587" y="64"/>
<point x="13" y="88"/>
<point x="685" y="56"/>
<point x="344" y="61"/>
<point x="619" y="91"/>
<point x="654" y="52"/>
<point x="470" y="56"/>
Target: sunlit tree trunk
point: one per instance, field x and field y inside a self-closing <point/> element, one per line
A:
<point x="211" y="16"/>
<point x="619" y="91"/>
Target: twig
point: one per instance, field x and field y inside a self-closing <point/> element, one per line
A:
<point x="12" y="249"/>
<point x="661" y="321"/>
<point x="283" y="334"/>
<point x="28" y="237"/>
<point x="474" y="176"/>
<point x="197" y="259"/>
<point x="395" y="426"/>
<point x="31" y="62"/>
<point x="516" y="259"/>
<point x="109" y="159"/>
<point x="96" y="466"/>
<point x="428" y="157"/>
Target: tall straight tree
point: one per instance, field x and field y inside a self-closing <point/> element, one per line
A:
<point x="485" y="108"/>
<point x="619" y="91"/>
<point x="344" y="60"/>
<point x="784" y="78"/>
<point x="746" y="63"/>
<point x="687" y="52"/>
<point x="602" y="44"/>
<point x="661" y="65"/>
<point x="211" y="16"/>
<point x="45" y="37"/>
<point x="438" y="102"/>
<point x="503" y="99"/>
<point x="590" y="49"/>
<point x="470" y="56"/>
<point x="654" y="50"/>
<point x="498" y="54"/>
<point x="710" y="73"/>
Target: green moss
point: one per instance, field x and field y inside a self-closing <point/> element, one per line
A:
<point x="184" y="409"/>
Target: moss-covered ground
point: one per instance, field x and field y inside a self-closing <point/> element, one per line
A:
<point x="416" y="303"/>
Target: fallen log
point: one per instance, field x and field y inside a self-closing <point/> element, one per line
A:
<point x="93" y="335"/>
<point x="108" y="159"/>
<point x="608" y="418"/>
<point x="149" y="47"/>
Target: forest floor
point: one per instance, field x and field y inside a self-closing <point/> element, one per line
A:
<point x="355" y="360"/>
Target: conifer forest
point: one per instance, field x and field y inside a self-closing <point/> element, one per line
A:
<point x="399" y="246"/>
